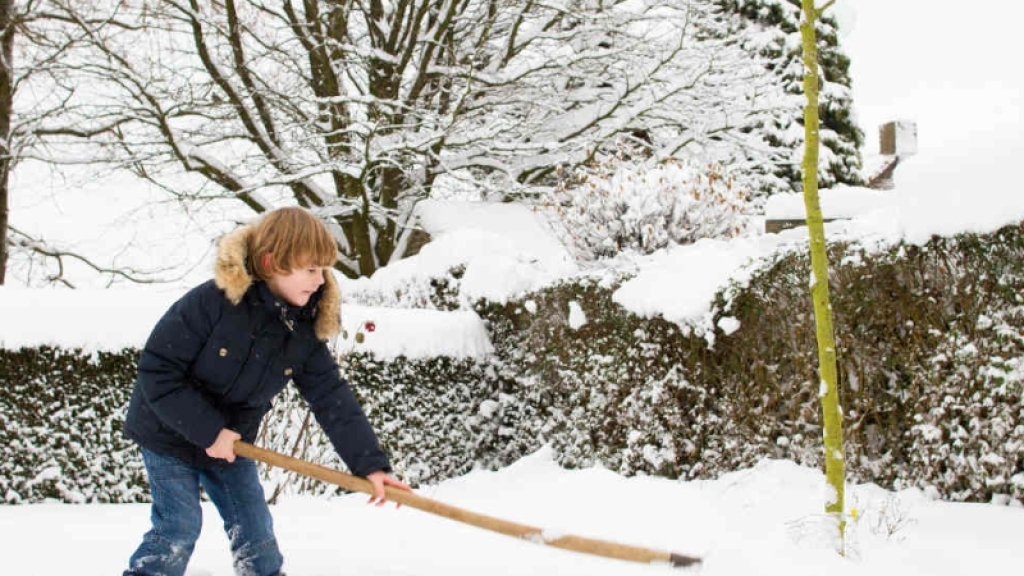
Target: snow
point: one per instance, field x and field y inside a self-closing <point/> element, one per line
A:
<point x="764" y="520"/>
<point x="414" y="333"/>
<point x="119" y="318"/>
<point x="506" y="249"/>
<point x="679" y="283"/>
<point x="577" y="318"/>
<point x="837" y="202"/>
<point x="90" y="319"/>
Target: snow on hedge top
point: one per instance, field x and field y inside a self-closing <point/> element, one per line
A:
<point x="945" y="191"/>
<point x="390" y="333"/>
<point x="506" y="249"/>
<point x="838" y="202"/>
<point x="91" y="319"/>
<point x="116" y="318"/>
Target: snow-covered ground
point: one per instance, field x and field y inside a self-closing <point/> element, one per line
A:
<point x="766" y="520"/>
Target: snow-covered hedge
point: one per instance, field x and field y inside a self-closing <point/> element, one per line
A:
<point x="612" y="388"/>
<point x="930" y="340"/>
<point x="437" y="417"/>
<point x="61" y="413"/>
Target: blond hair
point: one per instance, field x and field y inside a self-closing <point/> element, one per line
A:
<point x="294" y="238"/>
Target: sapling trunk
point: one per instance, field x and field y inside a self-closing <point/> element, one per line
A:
<point x="832" y="415"/>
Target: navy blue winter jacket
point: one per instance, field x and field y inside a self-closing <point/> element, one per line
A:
<point x="221" y="353"/>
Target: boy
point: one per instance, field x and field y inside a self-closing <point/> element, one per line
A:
<point x="208" y="374"/>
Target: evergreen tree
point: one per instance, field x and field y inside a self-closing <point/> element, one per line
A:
<point x="777" y="42"/>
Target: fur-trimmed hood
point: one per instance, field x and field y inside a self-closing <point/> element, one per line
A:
<point x="233" y="277"/>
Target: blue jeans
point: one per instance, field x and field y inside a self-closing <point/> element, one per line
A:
<point x="178" y="518"/>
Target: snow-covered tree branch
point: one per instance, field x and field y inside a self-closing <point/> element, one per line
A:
<point x="358" y="109"/>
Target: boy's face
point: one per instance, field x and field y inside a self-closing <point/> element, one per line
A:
<point x="297" y="286"/>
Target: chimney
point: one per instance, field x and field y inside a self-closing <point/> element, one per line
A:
<point x="898" y="138"/>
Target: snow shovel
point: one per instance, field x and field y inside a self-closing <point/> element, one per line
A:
<point x="565" y="541"/>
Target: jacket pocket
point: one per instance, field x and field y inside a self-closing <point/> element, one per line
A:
<point x="218" y="365"/>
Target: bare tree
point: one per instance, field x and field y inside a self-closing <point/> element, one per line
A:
<point x="37" y="52"/>
<point x="60" y="256"/>
<point x="358" y="109"/>
<point x="6" y="107"/>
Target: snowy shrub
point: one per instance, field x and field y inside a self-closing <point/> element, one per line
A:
<point x="616" y="390"/>
<point x="621" y="205"/>
<point x="608" y="390"/>
<point x="441" y="417"/>
<point x="436" y="417"/>
<point x="61" y="413"/>
<point x="941" y="376"/>
<point x="968" y="435"/>
<point x="930" y="341"/>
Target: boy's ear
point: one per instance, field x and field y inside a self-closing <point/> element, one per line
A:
<point x="266" y="261"/>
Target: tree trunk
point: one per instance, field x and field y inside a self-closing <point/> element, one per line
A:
<point x="829" y="387"/>
<point x="6" y="108"/>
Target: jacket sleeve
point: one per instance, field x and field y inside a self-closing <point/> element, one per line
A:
<point x="172" y="347"/>
<point x="339" y="413"/>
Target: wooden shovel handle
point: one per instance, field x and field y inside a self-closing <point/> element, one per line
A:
<point x="413" y="500"/>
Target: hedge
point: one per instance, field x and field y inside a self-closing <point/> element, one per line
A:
<point x="930" y="340"/>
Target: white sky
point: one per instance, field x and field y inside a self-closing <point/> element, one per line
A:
<point x="951" y="67"/>
<point x="955" y="76"/>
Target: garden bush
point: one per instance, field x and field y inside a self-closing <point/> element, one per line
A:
<point x="61" y="414"/>
<point x="930" y="341"/>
